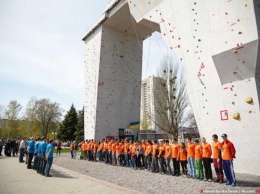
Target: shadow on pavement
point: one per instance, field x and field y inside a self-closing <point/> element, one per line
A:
<point x="4" y="157"/>
<point x="245" y="183"/>
<point x="58" y="174"/>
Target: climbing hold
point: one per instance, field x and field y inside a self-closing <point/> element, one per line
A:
<point x="199" y="74"/>
<point x="233" y="103"/>
<point x="250" y="111"/>
<point x="249" y="100"/>
<point x="236" y="116"/>
<point x="239" y="32"/>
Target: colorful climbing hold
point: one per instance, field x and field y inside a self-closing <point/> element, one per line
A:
<point x="249" y="100"/>
<point x="236" y="116"/>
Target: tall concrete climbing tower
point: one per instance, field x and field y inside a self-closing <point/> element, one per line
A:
<point x="218" y="43"/>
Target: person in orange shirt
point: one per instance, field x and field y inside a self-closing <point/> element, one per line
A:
<point x="95" y="147"/>
<point x="183" y="159"/>
<point x="228" y="154"/>
<point x="139" y="153"/>
<point x="81" y="150"/>
<point x="143" y="157"/>
<point x="105" y="151"/>
<point x="130" y="153"/>
<point x="118" y="152"/>
<point x="84" y="150"/>
<point x="71" y="150"/>
<point x="100" y="150"/>
<point x="168" y="156"/>
<point x="175" y="157"/>
<point x="217" y="160"/>
<point x="191" y="157"/>
<point x="207" y="160"/>
<point x="155" y="153"/>
<point x="148" y="154"/>
<point x="126" y="150"/>
<point x="161" y="157"/>
<point x="122" y="153"/>
<point x="87" y="149"/>
<point x="109" y="153"/>
<point x="198" y="160"/>
<point x="91" y="143"/>
<point x="133" y="155"/>
<point x="114" y="152"/>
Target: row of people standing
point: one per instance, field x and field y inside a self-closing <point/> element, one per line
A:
<point x="39" y="152"/>
<point x="11" y="147"/>
<point x="157" y="157"/>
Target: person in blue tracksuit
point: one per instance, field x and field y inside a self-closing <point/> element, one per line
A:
<point x="35" y="160"/>
<point x="30" y="150"/>
<point x="49" y="157"/>
<point x="39" y="155"/>
<point x="228" y="154"/>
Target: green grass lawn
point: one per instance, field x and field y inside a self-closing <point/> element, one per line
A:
<point x="64" y="150"/>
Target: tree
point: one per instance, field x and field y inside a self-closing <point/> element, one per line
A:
<point x="11" y="114"/>
<point x="171" y="99"/>
<point x="30" y="115"/>
<point x="1" y="119"/>
<point x="45" y="113"/>
<point x="79" y="133"/>
<point x="69" y="125"/>
<point x="145" y="124"/>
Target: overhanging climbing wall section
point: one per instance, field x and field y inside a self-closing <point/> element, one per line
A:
<point x="91" y="69"/>
<point x="119" y="84"/>
<point x="218" y="43"/>
<point x="113" y="71"/>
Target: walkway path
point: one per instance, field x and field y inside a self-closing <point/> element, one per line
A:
<point x="16" y="178"/>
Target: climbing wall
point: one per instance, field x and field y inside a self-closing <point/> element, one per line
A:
<point x="217" y="41"/>
<point x="119" y="85"/>
<point x="91" y="69"/>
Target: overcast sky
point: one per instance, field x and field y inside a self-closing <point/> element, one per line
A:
<point x="41" y="52"/>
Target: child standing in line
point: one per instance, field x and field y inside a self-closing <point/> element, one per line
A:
<point x="183" y="158"/>
<point x="198" y="160"/>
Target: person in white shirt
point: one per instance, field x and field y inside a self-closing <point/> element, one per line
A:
<point x="1" y="145"/>
<point x="22" y="149"/>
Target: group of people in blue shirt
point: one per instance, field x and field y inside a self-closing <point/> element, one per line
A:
<point x="40" y="151"/>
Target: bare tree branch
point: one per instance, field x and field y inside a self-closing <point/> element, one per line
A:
<point x="171" y="101"/>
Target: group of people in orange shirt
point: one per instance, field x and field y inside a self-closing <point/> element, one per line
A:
<point x="156" y="157"/>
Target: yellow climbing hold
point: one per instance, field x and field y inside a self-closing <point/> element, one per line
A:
<point x="236" y="116"/>
<point x="249" y="100"/>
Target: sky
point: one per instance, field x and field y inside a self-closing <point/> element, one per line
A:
<point x="41" y="51"/>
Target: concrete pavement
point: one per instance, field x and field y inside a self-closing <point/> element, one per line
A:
<point x="16" y="178"/>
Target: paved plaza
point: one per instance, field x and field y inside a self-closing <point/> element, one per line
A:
<point x="79" y="176"/>
<point x="149" y="183"/>
<point x="16" y="178"/>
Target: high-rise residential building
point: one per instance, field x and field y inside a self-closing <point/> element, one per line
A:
<point x="150" y="86"/>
